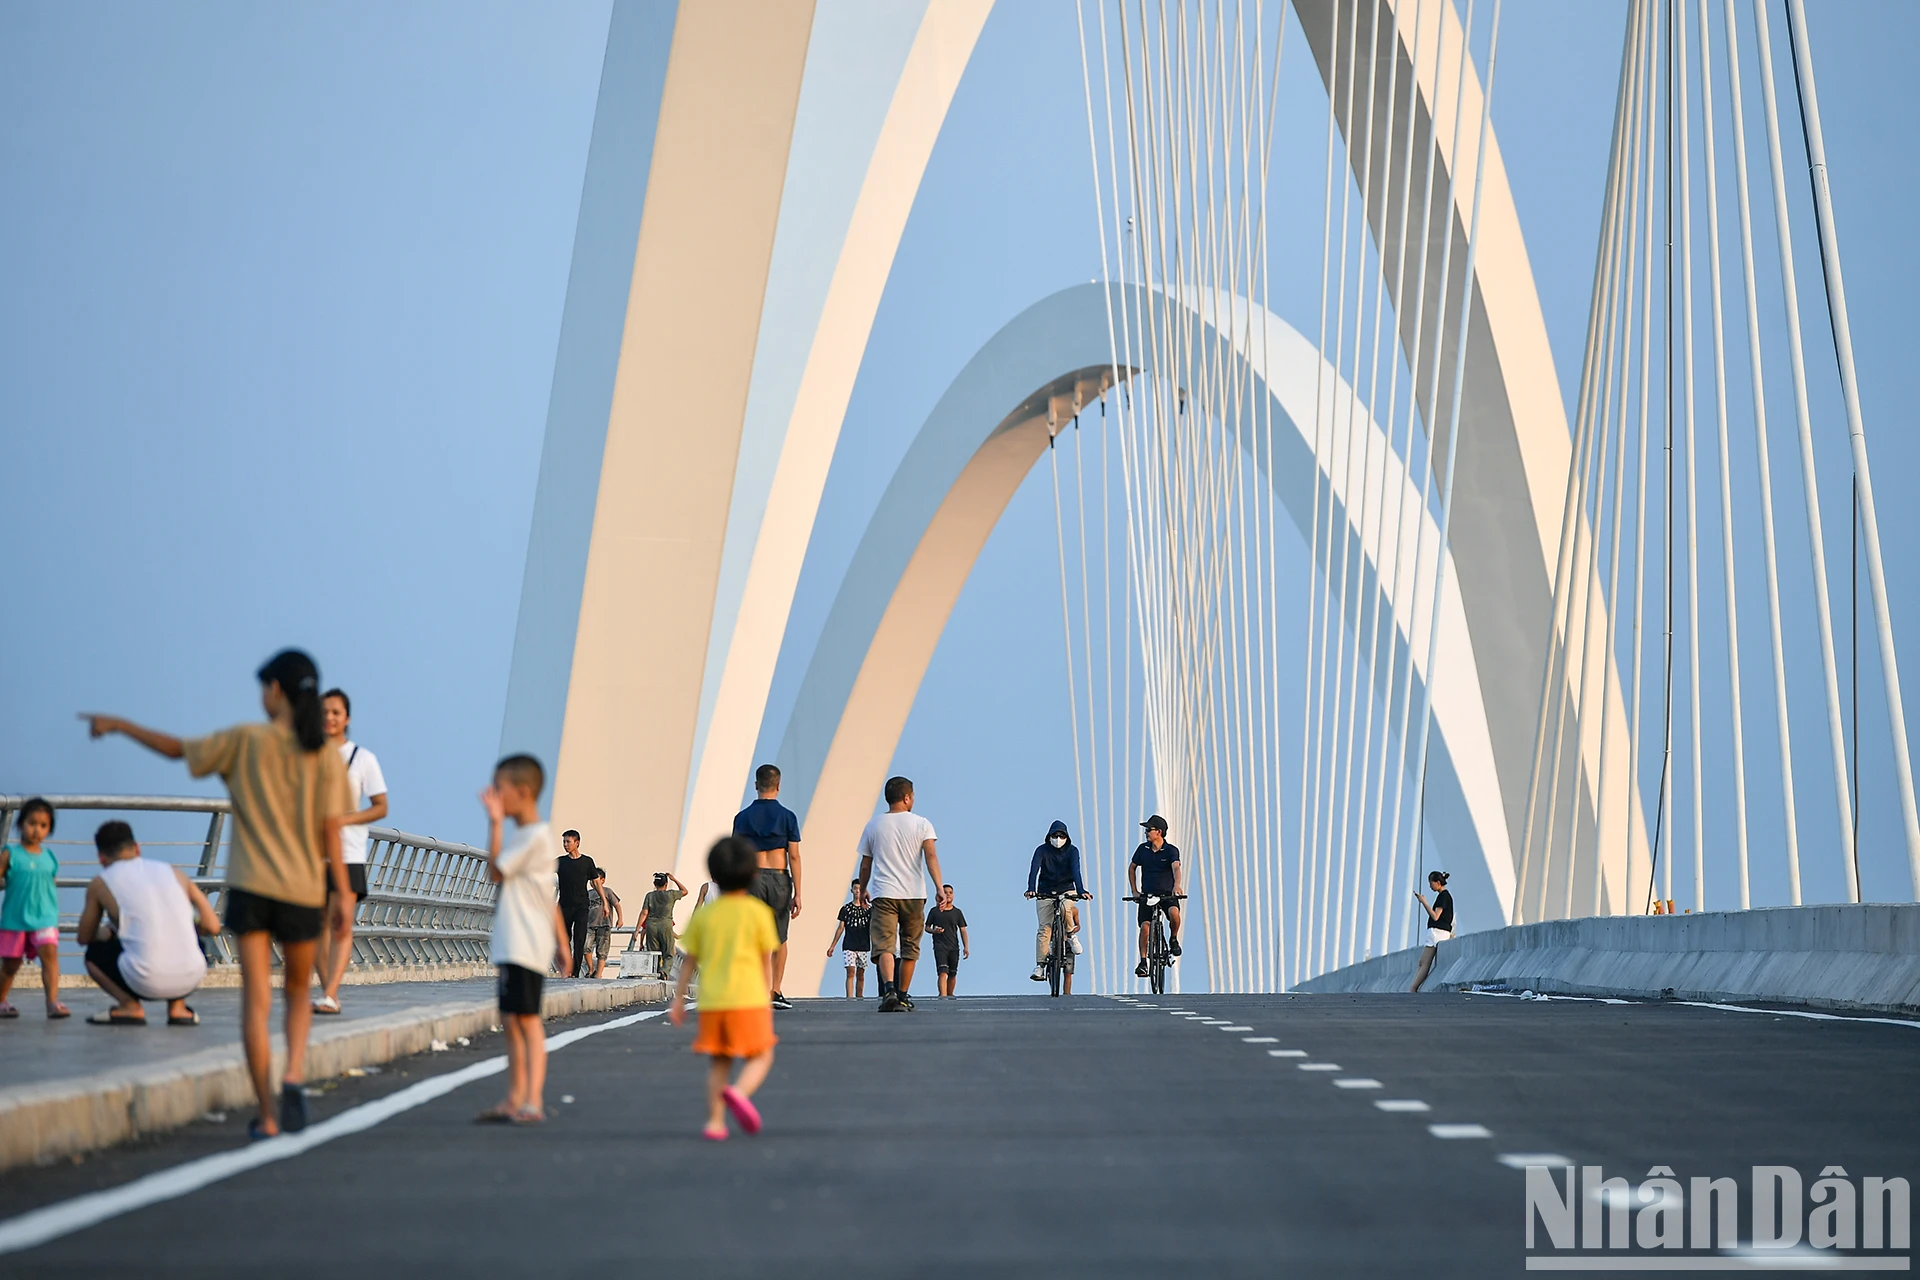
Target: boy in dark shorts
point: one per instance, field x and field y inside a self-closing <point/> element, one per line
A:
<point x="731" y="943"/>
<point x="527" y="929"/>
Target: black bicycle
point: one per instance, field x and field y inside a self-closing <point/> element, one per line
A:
<point x="1060" y="954"/>
<point x="1159" y="938"/>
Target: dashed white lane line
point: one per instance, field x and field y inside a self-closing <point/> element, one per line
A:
<point x="1236" y="1028"/>
<point x="1318" y="1066"/>
<point x="1357" y="1082"/>
<point x="56" y="1220"/>
<point x="1286" y="1053"/>
<point x="1402" y="1104"/>
<point x="1260" y="1039"/>
<point x="1529" y="1159"/>
<point x="1459" y="1131"/>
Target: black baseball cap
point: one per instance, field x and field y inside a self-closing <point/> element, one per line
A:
<point x="1156" y="823"/>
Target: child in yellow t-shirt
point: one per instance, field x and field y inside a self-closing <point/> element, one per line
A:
<point x="731" y="941"/>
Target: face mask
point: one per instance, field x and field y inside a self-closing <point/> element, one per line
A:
<point x="1058" y="842"/>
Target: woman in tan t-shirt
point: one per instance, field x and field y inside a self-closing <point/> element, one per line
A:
<point x="290" y="796"/>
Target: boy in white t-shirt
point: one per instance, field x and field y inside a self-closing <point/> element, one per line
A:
<point x="896" y="857"/>
<point x="369" y="789"/>
<point x="527" y="929"/>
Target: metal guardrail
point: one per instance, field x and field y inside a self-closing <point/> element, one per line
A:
<point x="428" y="901"/>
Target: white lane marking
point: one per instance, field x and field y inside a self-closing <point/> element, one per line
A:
<point x="1459" y="1131"/>
<point x="1528" y="1159"/>
<point x="1318" y="1066"/>
<point x="1402" y="1104"/>
<point x="1357" y="1082"/>
<point x="1236" y="1028"/>
<point x="1260" y="1039"/>
<point x="1180" y="1013"/>
<point x="1213" y="1022"/>
<point x="1286" y="1053"/>
<point x="1793" y="1013"/>
<point x="29" y="1230"/>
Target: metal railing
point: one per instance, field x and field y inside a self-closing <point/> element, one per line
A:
<point x="428" y="901"/>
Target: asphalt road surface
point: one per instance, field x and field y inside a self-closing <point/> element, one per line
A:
<point x="986" y="1137"/>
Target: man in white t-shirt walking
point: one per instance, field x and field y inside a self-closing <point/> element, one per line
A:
<point x="369" y="789"/>
<point x="897" y="860"/>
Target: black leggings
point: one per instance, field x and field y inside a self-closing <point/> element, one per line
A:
<point x="576" y="922"/>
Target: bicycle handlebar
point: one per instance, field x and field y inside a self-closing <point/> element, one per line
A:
<point x="1064" y="893"/>
<point x="1164" y="897"/>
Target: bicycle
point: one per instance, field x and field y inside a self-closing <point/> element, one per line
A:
<point x="1060" y="954"/>
<point x="1159" y="939"/>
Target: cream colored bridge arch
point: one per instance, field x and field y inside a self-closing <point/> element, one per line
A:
<point x="751" y="171"/>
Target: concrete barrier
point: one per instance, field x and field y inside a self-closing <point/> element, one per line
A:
<point x="57" y="1118"/>
<point x="1852" y="957"/>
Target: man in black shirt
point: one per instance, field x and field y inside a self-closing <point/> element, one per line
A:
<point x="948" y="925"/>
<point x="856" y="923"/>
<point x="1439" y="923"/>
<point x="1155" y="869"/>
<point x="577" y="874"/>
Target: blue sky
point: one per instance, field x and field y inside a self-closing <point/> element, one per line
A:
<point x="282" y="297"/>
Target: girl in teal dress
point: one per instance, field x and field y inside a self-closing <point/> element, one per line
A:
<point x="30" y="913"/>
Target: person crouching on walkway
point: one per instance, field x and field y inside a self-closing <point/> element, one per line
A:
<point x="731" y="943"/>
<point x="528" y="929"/>
<point x="138" y="926"/>
<point x="1439" y="924"/>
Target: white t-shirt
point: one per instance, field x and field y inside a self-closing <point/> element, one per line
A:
<point x="366" y="781"/>
<point x="523" y="915"/>
<point x="893" y="841"/>
<point x="161" y="955"/>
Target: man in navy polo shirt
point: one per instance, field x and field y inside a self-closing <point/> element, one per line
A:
<point x="773" y="830"/>
<point x="1156" y="869"/>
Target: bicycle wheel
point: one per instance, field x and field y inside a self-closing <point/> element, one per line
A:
<point x="1157" y="978"/>
<point x="1056" y="962"/>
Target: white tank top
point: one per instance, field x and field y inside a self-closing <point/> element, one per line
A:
<point x="161" y="954"/>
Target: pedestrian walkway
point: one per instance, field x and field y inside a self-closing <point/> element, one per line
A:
<point x="71" y="1087"/>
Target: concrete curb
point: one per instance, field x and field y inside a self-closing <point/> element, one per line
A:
<point x="44" y="1122"/>
<point x="228" y="975"/>
<point x="1861" y="958"/>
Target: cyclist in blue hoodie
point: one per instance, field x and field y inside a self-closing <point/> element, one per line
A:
<point x="1055" y="869"/>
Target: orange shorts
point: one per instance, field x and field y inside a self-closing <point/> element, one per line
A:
<point x="735" y="1033"/>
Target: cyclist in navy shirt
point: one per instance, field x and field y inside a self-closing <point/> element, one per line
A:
<point x="1055" y="869"/>
<point x="774" y="832"/>
<point x="1155" y="869"/>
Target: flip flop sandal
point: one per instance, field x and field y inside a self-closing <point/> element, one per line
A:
<point x="744" y="1112"/>
<point x="326" y="1005"/>
<point x="8" y="1011"/>
<point x="501" y="1114"/>
<point x="527" y="1117"/>
<point x="108" y="1018"/>
<point x="58" y="1012"/>
<point x="293" y="1108"/>
<point x="257" y="1133"/>
<point x="191" y="1019"/>
<point x="711" y="1136"/>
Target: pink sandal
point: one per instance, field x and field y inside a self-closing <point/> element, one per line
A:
<point x="744" y="1112"/>
<point x="711" y="1136"/>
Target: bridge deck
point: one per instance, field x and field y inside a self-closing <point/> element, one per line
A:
<point x="1087" y="1135"/>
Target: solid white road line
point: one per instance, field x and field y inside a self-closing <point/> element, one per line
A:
<point x="1402" y="1104"/>
<point x="1459" y="1131"/>
<point x="29" y="1230"/>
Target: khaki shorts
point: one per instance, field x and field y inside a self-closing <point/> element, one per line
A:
<point x="900" y="920"/>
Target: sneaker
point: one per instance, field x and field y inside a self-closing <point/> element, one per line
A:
<point x="905" y="1002"/>
<point x="890" y="1003"/>
<point x="781" y="1002"/>
<point x="1140" y="970"/>
<point x="1039" y="973"/>
<point x="1173" y="948"/>
<point x="1078" y="950"/>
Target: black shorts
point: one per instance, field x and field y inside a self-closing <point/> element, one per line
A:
<point x="104" y="954"/>
<point x="356" y="880"/>
<point x="519" y="989"/>
<point x="774" y="886"/>
<point x="255" y="913"/>
<point x="1167" y="904"/>
<point x="946" y="961"/>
